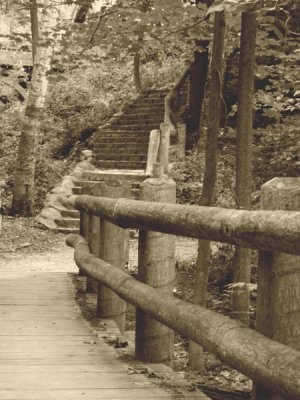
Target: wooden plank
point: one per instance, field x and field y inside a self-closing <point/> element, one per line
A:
<point x="47" y="351"/>
<point x="86" y="394"/>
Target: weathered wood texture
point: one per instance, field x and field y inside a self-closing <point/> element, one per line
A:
<point x="264" y="230"/>
<point x="85" y="232"/>
<point x="181" y="141"/>
<point x="278" y="301"/>
<point x="48" y="352"/>
<point x="267" y="362"/>
<point x="156" y="267"/>
<point x="114" y="249"/>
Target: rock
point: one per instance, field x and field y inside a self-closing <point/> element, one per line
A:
<point x="56" y="199"/>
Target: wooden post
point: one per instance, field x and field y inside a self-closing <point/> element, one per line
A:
<point x="156" y="267"/>
<point x="88" y="231"/>
<point x="181" y="132"/>
<point x="278" y="297"/>
<point x="85" y="231"/>
<point x="94" y="244"/>
<point x="114" y="249"/>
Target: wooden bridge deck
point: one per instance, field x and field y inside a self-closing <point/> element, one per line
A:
<point x="47" y="350"/>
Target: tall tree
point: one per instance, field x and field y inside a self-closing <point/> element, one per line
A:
<point x="210" y="173"/>
<point x="34" y="26"/>
<point x="23" y="195"/>
<point x="242" y="260"/>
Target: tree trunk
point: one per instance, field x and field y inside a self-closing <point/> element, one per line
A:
<point x="214" y="110"/>
<point x="198" y="81"/>
<point x="136" y="62"/>
<point x="136" y="72"/>
<point x="210" y="174"/>
<point x="23" y="196"/>
<point x="34" y="27"/>
<point x="242" y="261"/>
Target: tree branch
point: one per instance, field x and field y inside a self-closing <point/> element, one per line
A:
<point x="91" y="38"/>
<point x="185" y="28"/>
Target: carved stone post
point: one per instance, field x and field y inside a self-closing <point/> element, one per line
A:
<point x="164" y="145"/>
<point x="153" y="147"/>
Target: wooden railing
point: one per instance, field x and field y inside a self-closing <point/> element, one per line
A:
<point x="272" y="365"/>
<point x="175" y="100"/>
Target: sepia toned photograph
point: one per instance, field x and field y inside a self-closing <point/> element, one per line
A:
<point x="149" y="199"/>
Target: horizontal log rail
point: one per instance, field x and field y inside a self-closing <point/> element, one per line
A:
<point x="264" y="230"/>
<point x="267" y="362"/>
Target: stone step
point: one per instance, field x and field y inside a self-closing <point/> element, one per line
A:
<point x="147" y="119"/>
<point x="155" y="92"/>
<point x="141" y="127"/>
<point x="121" y="148"/>
<point x="115" y="174"/>
<point x="145" y="110"/>
<point x="121" y="164"/>
<point x="125" y="139"/>
<point x="70" y="213"/>
<point x="67" y="230"/>
<point x="110" y="132"/>
<point x="67" y="222"/>
<point x="121" y="157"/>
<point x="151" y="99"/>
<point x="137" y="115"/>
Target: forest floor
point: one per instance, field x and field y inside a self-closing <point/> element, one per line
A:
<point x="24" y="245"/>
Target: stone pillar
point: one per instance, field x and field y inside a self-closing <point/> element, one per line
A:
<point x="153" y="147"/>
<point x="278" y="297"/>
<point x="164" y="145"/>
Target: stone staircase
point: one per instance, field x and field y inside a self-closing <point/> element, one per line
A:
<point x="120" y="152"/>
<point x="123" y="142"/>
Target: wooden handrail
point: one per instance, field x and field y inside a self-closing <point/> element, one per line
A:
<point x="274" y="366"/>
<point x="267" y="362"/>
<point x="182" y="78"/>
<point x="170" y="96"/>
<point x="263" y="230"/>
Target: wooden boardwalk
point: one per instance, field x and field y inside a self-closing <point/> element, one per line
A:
<point x="47" y="350"/>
